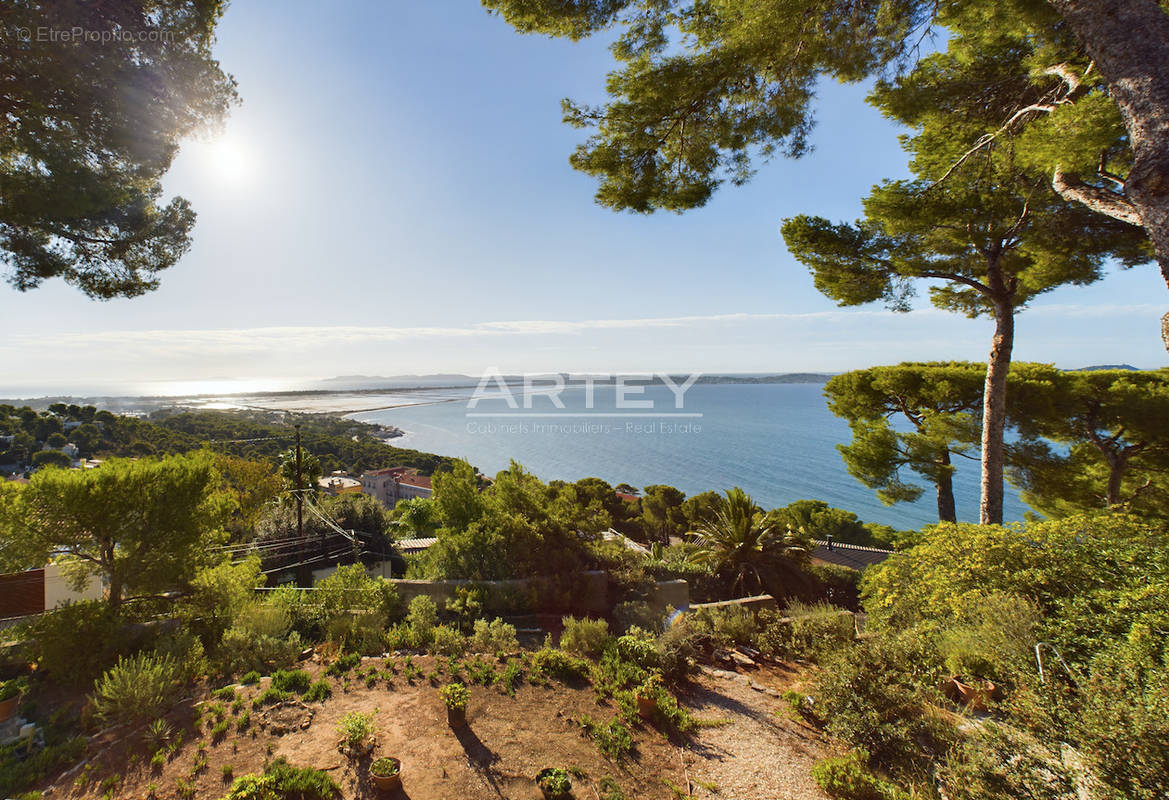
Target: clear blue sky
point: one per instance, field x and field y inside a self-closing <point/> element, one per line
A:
<point x="394" y="196"/>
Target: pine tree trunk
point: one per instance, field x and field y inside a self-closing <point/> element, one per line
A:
<point x="947" y="512"/>
<point x="1129" y="42"/>
<point x="1116" y="469"/>
<point x="994" y="413"/>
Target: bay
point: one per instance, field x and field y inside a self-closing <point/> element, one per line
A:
<point x="776" y="441"/>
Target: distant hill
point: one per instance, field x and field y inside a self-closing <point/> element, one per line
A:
<point x="1099" y="367"/>
<point x="367" y="382"/>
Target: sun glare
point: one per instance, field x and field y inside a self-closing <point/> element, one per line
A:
<point x="226" y="159"/>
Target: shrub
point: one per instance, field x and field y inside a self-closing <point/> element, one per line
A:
<point x="344" y="663"/>
<point x="281" y="781"/>
<point x="1123" y="725"/>
<point x="136" y="688"/>
<point x="250" y="678"/>
<point x="455" y="696"/>
<point x="584" y="637"/>
<point x="270" y="697"/>
<point x="361" y="632"/>
<point x="553" y="663"/>
<point x="187" y="650"/>
<point x="554" y="782"/>
<point x="847" y="778"/>
<point x="447" y="641"/>
<point x="226" y="694"/>
<point x="355" y="728"/>
<point x="55" y="636"/>
<point x="994" y="637"/>
<point x="640" y="647"/>
<point x="997" y="762"/>
<point x="294" y="681"/>
<point x="676" y="651"/>
<point x="318" y="692"/>
<point x="421" y="618"/>
<point x="874" y="695"/>
<point x="614" y="738"/>
<point x="807" y="631"/>
<point x="260" y="640"/>
<point x="496" y="636"/>
<point x="727" y="627"/>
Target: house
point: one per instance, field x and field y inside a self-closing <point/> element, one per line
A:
<point x="33" y="591"/>
<point x="339" y="483"/>
<point x="843" y="554"/>
<point x="392" y="485"/>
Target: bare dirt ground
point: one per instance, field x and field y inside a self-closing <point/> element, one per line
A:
<point x="757" y="753"/>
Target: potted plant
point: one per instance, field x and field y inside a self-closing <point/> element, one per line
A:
<point x="455" y="696"/>
<point x="554" y="783"/>
<point x="10" y="692"/>
<point x="646" y="696"/>
<point x="386" y="773"/>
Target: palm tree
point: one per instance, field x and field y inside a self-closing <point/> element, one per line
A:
<point x="740" y="542"/>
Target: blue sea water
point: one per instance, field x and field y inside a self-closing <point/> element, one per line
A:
<point x="776" y="441"/>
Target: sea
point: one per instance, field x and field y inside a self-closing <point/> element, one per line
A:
<point x="778" y="442"/>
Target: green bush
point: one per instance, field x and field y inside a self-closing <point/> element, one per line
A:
<point x="355" y="728"/>
<point x="1123" y="723"/>
<point x="553" y="663"/>
<point x="296" y="680"/>
<point x="421" y="619"/>
<point x="997" y="761"/>
<point x="1092" y="578"/>
<point x="447" y="641"/>
<point x="344" y="663"/>
<point x="135" y="688"/>
<point x="282" y="781"/>
<point x="496" y="636"/>
<point x="727" y="627"/>
<point x="807" y="631"/>
<point x="677" y="651"/>
<point x="614" y="738"/>
<point x="640" y="647"/>
<point x="260" y="640"/>
<point x="874" y="696"/>
<point x="584" y="637"/>
<point x="250" y="678"/>
<point x="318" y="692"/>
<point x="56" y="635"/>
<point x="455" y="696"/>
<point x="847" y="778"/>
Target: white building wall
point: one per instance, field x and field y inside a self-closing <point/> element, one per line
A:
<point x="58" y="591"/>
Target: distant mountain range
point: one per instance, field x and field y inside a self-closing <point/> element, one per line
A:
<point x="1099" y="367"/>
<point x="443" y="380"/>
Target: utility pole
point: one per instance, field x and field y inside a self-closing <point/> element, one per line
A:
<point x="299" y="496"/>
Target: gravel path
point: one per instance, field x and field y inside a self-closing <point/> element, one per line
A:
<point x="760" y="755"/>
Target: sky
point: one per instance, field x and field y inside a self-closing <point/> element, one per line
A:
<point x="393" y="196"/>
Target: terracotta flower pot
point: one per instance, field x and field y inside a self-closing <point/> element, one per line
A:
<point x="8" y="708"/>
<point x="456" y="717"/>
<point x="388" y="783"/>
<point x="975" y="696"/>
<point x="646" y="706"/>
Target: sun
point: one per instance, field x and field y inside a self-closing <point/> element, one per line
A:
<point x="226" y="159"/>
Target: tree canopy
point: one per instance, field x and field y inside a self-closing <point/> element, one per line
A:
<point x="939" y="401"/>
<point x="704" y="90"/>
<point x="89" y="124"/>
<point x="142" y="526"/>
<point x="1092" y="439"/>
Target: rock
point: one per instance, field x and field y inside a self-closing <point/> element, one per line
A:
<point x="285" y="718"/>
